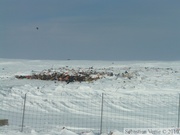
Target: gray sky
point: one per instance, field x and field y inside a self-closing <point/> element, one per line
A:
<point x="90" y="29"/>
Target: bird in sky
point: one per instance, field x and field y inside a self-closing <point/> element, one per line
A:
<point x="37" y="28"/>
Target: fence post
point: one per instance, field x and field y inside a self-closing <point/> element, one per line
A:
<point x="101" y="113"/>
<point x="23" y="113"/>
<point x="179" y="111"/>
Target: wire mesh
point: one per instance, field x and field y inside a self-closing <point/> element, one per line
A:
<point x="140" y="111"/>
<point x="76" y="114"/>
<point x="80" y="114"/>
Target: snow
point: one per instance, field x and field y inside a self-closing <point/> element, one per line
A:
<point x="154" y="84"/>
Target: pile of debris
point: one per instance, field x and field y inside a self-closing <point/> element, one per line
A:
<point x="68" y="75"/>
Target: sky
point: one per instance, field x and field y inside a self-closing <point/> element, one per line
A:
<point x="122" y="30"/>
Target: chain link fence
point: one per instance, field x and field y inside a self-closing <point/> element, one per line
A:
<point x="100" y="114"/>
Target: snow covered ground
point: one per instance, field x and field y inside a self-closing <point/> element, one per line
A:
<point x="149" y="98"/>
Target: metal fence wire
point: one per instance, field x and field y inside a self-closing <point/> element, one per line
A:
<point x="100" y="114"/>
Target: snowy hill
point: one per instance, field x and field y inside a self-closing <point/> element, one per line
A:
<point x="138" y="94"/>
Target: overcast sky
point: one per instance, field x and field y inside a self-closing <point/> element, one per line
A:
<point x="90" y="29"/>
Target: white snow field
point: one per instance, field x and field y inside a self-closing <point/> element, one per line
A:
<point x="147" y="98"/>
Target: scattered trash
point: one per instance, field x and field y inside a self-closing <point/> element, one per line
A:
<point x="67" y="75"/>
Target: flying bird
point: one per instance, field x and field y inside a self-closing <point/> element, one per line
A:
<point x="37" y="28"/>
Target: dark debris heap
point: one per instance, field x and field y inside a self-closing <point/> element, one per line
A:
<point x="67" y="75"/>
